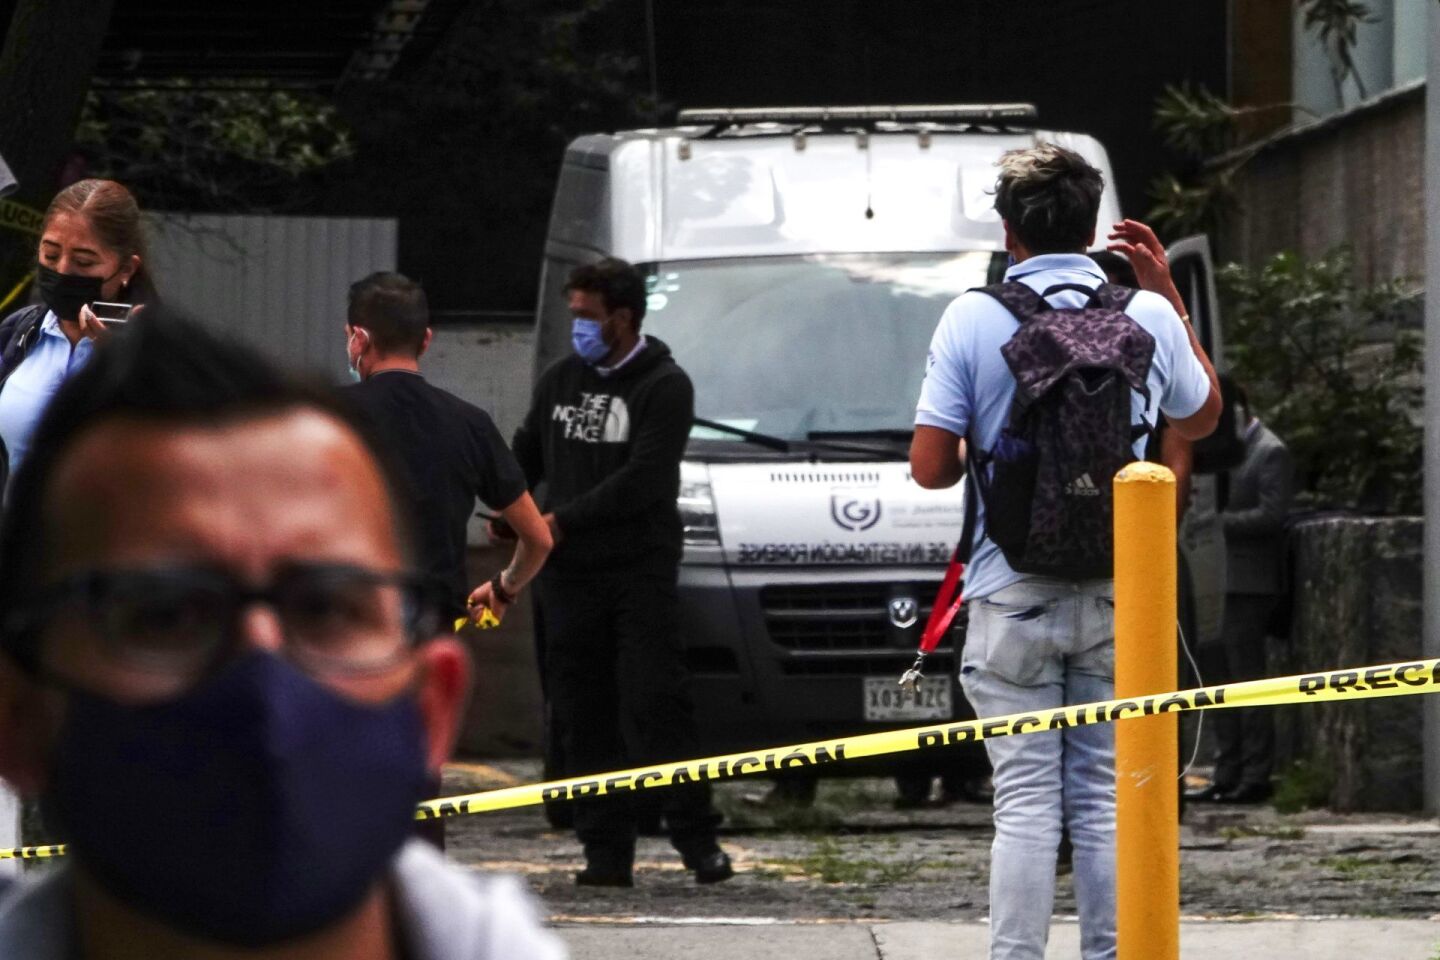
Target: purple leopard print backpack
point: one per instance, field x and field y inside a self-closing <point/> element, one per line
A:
<point x="1046" y="484"/>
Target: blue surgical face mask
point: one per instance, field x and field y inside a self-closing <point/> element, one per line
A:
<point x="257" y="808"/>
<point x="585" y="337"/>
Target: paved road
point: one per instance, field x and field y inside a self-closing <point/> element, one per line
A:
<point x="1199" y="940"/>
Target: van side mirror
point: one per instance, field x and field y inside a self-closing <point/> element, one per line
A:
<point x="1225" y="448"/>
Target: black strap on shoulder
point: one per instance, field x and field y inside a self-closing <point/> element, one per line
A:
<point x="1077" y="287"/>
<point x="1111" y="296"/>
<point x="974" y="472"/>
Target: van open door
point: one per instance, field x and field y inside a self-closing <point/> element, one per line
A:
<point x="1202" y="540"/>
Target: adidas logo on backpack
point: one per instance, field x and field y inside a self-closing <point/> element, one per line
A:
<point x="1046" y="483"/>
<point x="1082" y="486"/>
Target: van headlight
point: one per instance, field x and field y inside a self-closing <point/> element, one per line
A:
<point x="697" y="506"/>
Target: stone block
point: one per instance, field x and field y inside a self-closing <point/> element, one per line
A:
<point x="1357" y="602"/>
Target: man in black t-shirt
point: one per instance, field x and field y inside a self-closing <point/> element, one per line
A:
<point x="449" y="451"/>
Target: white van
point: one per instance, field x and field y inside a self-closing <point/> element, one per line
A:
<point x="799" y="260"/>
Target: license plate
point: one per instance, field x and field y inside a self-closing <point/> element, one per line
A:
<point x="886" y="700"/>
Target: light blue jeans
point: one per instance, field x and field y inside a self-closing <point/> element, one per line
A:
<point x="1036" y="645"/>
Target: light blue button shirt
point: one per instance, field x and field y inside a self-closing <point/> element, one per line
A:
<point x="968" y="387"/>
<point x="27" y="392"/>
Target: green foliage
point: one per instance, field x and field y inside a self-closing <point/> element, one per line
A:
<point x="1337" y="24"/>
<point x="1331" y="370"/>
<point x="1199" y="126"/>
<point x="1195" y="124"/>
<point x="221" y="147"/>
<point x="1199" y="206"/>
<point x="474" y="137"/>
<point x="1193" y="121"/>
<point x="830" y="862"/>
<point x="1304" y="786"/>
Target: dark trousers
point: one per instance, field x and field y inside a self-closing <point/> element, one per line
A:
<point x="1244" y="737"/>
<point x="619" y="695"/>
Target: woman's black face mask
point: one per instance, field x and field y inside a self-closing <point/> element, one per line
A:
<point x="66" y="293"/>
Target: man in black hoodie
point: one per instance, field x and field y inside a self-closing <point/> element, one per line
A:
<point x="606" y="431"/>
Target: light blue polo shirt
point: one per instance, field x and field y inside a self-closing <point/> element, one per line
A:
<point x="968" y="387"/>
<point x="27" y="393"/>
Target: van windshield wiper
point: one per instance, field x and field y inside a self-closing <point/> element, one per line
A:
<point x="893" y="434"/>
<point x="786" y="446"/>
<point x="749" y="436"/>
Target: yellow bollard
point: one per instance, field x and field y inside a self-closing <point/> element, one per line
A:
<point x="1147" y="829"/>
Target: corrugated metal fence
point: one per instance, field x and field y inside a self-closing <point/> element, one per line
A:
<point x="277" y="282"/>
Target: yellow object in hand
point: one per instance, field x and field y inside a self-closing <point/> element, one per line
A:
<point x="486" y="621"/>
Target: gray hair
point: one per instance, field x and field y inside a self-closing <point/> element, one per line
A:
<point x="1049" y="196"/>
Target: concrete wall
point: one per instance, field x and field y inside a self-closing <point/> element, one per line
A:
<point x="489" y="364"/>
<point x="1356" y="178"/>
<point x="1357" y="603"/>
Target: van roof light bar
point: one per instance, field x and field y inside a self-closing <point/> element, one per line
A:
<point x="1001" y="113"/>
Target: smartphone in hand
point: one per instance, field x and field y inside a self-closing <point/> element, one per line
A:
<point x="111" y="314"/>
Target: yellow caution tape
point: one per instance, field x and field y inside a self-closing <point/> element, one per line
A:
<point x="33" y="853"/>
<point x="15" y="292"/>
<point x="19" y="217"/>
<point x="1357" y="683"/>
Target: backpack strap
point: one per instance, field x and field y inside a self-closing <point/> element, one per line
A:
<point x="1113" y="296"/>
<point x="1077" y="287"/>
<point x="1016" y="297"/>
<point x="1110" y="296"/>
<point x="16" y="333"/>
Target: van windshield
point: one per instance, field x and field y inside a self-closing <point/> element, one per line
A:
<point x="795" y="347"/>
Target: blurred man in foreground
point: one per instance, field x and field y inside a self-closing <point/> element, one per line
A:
<point x="224" y="680"/>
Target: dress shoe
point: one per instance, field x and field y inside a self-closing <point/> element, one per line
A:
<point x="1248" y="793"/>
<point x="1214" y="793"/>
<point x="710" y="867"/>
<point x="596" y="876"/>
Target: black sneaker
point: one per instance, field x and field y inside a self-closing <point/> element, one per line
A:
<point x="710" y="867"/>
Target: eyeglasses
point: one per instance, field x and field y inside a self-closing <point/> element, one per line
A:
<point x="335" y="618"/>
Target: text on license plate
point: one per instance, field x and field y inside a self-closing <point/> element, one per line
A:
<point x="885" y="699"/>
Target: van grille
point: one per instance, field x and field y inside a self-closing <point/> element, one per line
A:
<point x="859" y="477"/>
<point x="938" y="664"/>
<point x="843" y="616"/>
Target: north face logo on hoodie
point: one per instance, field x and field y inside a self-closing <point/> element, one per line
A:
<point x="597" y="418"/>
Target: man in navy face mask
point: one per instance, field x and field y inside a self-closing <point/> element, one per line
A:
<point x="223" y="679"/>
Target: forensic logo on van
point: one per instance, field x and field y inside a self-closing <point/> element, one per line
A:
<point x="854" y="513"/>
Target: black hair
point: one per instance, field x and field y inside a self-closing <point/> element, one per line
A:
<point x="1050" y="197"/>
<point x="617" y="282"/>
<point x="162" y="369"/>
<point x="393" y="308"/>
<point x="1118" y="268"/>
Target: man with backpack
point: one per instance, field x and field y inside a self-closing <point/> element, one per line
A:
<point x="1052" y="380"/>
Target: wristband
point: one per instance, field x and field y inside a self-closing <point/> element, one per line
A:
<point x="501" y="594"/>
<point x="1184" y="318"/>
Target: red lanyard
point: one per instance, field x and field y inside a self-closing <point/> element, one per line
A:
<point x="947" y="604"/>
